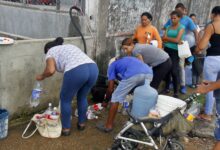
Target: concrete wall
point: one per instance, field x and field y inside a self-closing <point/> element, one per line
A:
<point x="19" y="65"/>
<point x="124" y="15"/>
<point x="36" y="22"/>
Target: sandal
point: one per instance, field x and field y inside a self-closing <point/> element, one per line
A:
<point x="101" y="127"/>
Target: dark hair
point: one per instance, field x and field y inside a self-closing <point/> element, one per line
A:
<point x="127" y="42"/>
<point x="148" y="15"/>
<point x="192" y="15"/>
<point x="177" y="13"/>
<point x="180" y="5"/>
<point x="56" y="42"/>
<point x="216" y="10"/>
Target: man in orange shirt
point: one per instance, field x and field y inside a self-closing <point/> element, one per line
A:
<point x="146" y="32"/>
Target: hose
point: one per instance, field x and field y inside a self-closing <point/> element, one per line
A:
<point x="75" y="26"/>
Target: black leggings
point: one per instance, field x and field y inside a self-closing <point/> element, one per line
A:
<point x="160" y="72"/>
<point x="174" y="72"/>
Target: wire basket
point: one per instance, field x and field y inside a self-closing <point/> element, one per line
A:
<point x="3" y="123"/>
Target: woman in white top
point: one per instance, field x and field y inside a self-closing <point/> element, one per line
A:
<point x="80" y="74"/>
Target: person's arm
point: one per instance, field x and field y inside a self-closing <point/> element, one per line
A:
<point x="178" y="39"/>
<point x="208" y="86"/>
<point x="196" y="34"/>
<point x="205" y="39"/>
<point x="49" y="69"/>
<point x="192" y="27"/>
<point x="158" y="38"/>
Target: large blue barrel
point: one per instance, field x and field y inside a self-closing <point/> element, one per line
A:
<point x="145" y="98"/>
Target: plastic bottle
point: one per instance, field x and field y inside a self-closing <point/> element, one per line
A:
<point x="191" y="98"/>
<point x="125" y="107"/>
<point x="148" y="37"/>
<point x="91" y="115"/>
<point x="54" y="114"/>
<point x="49" y="110"/>
<point x="193" y="111"/>
<point x="35" y="95"/>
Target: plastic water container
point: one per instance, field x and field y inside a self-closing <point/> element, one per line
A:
<point x="145" y="98"/>
<point x="36" y="94"/>
<point x="3" y="123"/>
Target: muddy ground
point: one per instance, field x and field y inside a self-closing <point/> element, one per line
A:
<point x="90" y="139"/>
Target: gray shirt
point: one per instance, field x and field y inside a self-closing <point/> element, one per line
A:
<point x="152" y="55"/>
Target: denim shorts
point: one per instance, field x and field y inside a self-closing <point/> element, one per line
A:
<point x="217" y="124"/>
<point x="125" y="86"/>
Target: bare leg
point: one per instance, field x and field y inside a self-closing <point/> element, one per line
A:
<point x="111" y="115"/>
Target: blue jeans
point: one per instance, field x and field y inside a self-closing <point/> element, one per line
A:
<point x="77" y="81"/>
<point x="211" y="69"/>
<point x="182" y="72"/>
<point x="217" y="126"/>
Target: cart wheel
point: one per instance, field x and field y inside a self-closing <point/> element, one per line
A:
<point x="174" y="145"/>
<point x="128" y="145"/>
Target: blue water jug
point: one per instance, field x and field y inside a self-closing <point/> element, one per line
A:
<point x="145" y="98"/>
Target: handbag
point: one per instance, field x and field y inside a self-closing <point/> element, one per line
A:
<point x="46" y="125"/>
<point x="184" y="50"/>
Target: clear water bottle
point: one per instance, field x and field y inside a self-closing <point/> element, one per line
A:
<point x="193" y="111"/>
<point x="54" y="114"/>
<point x="36" y="94"/>
<point x="49" y="110"/>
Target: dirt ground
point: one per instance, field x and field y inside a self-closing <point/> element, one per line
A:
<point x="89" y="139"/>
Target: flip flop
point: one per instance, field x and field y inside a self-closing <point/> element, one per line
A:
<point x="101" y="127"/>
<point x="201" y="117"/>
